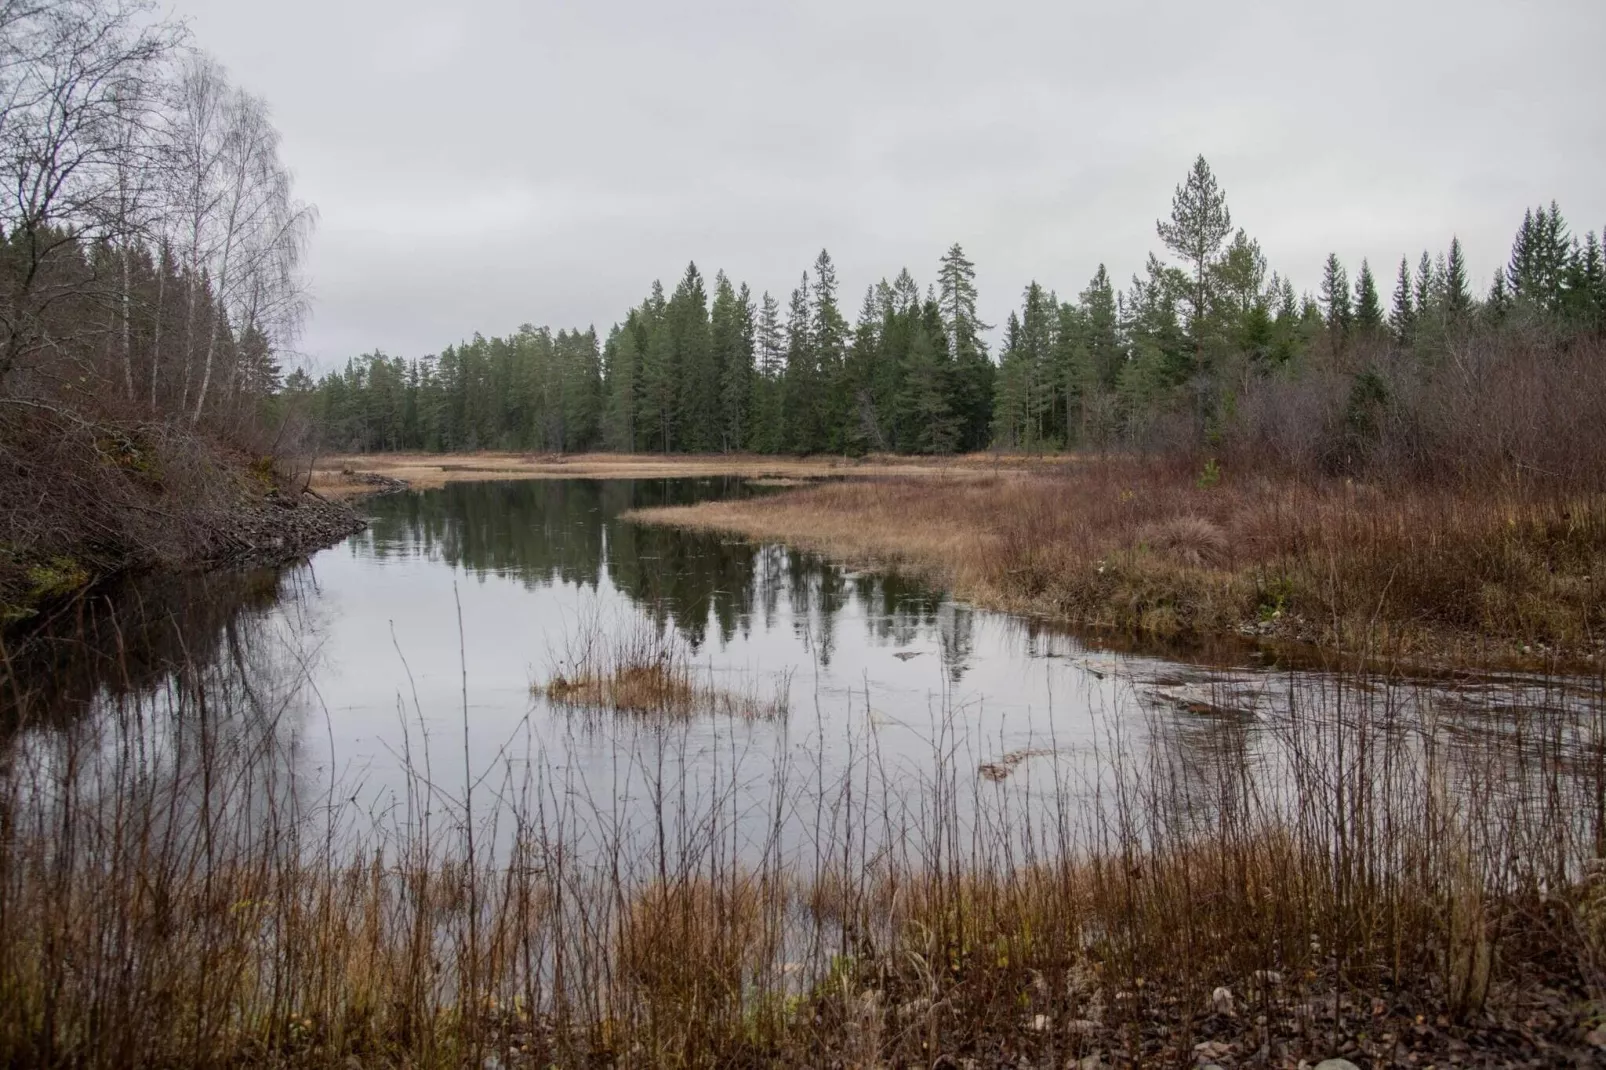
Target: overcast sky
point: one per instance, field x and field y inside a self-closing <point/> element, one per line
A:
<point x="487" y="163"/>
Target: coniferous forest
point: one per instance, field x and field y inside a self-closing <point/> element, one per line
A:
<point x="708" y="366"/>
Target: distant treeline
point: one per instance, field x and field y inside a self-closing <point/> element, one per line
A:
<point x="1172" y="360"/>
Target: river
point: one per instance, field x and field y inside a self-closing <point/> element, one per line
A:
<point x="397" y="676"/>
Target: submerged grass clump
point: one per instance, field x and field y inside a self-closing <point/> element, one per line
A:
<point x="647" y="671"/>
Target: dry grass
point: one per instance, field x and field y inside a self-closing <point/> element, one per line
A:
<point x="334" y="476"/>
<point x="643" y="670"/>
<point x="1497" y="572"/>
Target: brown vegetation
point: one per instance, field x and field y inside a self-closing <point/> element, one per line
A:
<point x="1416" y="887"/>
<point x="646" y="671"/>
<point x="1161" y="547"/>
<point x="343" y="475"/>
<point x="85" y="495"/>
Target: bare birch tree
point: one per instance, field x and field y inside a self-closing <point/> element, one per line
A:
<point x="242" y="230"/>
<point x="76" y="79"/>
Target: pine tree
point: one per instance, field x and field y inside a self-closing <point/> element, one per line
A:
<point x="1199" y="223"/>
<point x="1403" y="314"/>
<point x="973" y="370"/>
<point x="1368" y="308"/>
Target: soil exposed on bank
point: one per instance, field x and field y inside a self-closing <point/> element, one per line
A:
<point x="90" y="502"/>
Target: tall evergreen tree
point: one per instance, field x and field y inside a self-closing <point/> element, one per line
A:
<point x="621" y="366"/>
<point x="1587" y="287"/>
<point x="1540" y="255"/>
<point x="972" y="368"/>
<point x="1403" y="312"/>
<point x="1427" y="286"/>
<point x="1199" y="223"/>
<point x="696" y="419"/>
<point x="769" y="346"/>
<point x="730" y="334"/>
<point x="801" y="431"/>
<point x="1103" y="329"/>
<point x="1457" y="287"/>
<point x="1497" y="306"/>
<point x="1368" y="308"/>
<point x="660" y="376"/>
<point x="927" y="388"/>
<point x="1335" y="300"/>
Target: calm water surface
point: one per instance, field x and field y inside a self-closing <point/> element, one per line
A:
<point x="407" y="655"/>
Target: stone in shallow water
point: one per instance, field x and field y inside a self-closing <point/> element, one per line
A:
<point x="1336" y="1064"/>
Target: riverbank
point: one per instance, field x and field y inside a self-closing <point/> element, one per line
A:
<point x="1502" y="575"/>
<point x="85" y="501"/>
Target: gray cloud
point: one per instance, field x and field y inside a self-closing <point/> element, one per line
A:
<point x="495" y="162"/>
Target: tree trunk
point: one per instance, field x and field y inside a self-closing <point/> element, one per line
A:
<point x="128" y="349"/>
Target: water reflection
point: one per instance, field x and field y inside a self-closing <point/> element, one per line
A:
<point x="428" y="630"/>
<point x="571" y="532"/>
<point x="133" y="637"/>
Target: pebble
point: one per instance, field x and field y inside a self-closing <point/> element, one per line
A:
<point x="1336" y="1064"/>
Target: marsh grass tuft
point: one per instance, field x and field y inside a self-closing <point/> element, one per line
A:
<point x="640" y="669"/>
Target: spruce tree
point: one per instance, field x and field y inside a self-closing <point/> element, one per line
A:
<point x="1498" y="304"/>
<point x="1368" y="308"/>
<point x="769" y="346"/>
<point x="1457" y="288"/>
<point x="1011" y="421"/>
<point x="621" y="361"/>
<point x="799" y="413"/>
<point x="1103" y="324"/>
<point x="1589" y="290"/>
<point x="660" y="375"/>
<point x="1427" y="287"/>
<point x="829" y="338"/>
<point x="730" y="331"/>
<point x="865" y="430"/>
<point x="694" y="422"/>
<point x="925" y="395"/>
<point x="1335" y="300"/>
<point x="1541" y="256"/>
<point x="1402" y="314"/>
